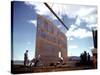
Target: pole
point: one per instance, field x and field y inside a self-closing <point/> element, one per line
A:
<point x="56" y="15"/>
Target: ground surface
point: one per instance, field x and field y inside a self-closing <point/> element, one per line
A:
<point x="16" y="69"/>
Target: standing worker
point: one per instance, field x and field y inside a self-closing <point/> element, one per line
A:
<point x="26" y="58"/>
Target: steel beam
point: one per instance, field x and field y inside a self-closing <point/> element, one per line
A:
<point x="56" y="15"/>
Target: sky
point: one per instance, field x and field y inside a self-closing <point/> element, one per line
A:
<point x="80" y="19"/>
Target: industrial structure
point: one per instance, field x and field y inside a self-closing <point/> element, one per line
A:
<point x="51" y="43"/>
<point x="94" y="50"/>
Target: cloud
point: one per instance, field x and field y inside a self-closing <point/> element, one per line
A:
<point x="28" y="2"/>
<point x="87" y="14"/>
<point x="70" y="38"/>
<point x="42" y="9"/>
<point x="72" y="27"/>
<point x="86" y="18"/>
<point x="59" y="9"/>
<point x="78" y="21"/>
<point x="59" y="26"/>
<point x="78" y="33"/>
<point x="72" y="46"/>
<point x="63" y="9"/>
<point x="39" y="7"/>
<point x="91" y="47"/>
<point x="73" y="15"/>
<point x="85" y="11"/>
<point x="91" y="26"/>
<point x="90" y="19"/>
<point x="34" y="22"/>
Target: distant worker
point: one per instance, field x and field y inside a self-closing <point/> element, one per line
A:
<point x="26" y="58"/>
<point x="88" y="58"/>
